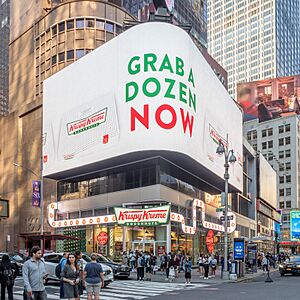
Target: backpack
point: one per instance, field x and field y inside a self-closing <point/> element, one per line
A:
<point x="8" y="277"/>
<point x="58" y="270"/>
<point x="143" y="262"/>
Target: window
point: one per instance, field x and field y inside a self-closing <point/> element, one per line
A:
<point x="288" y="140"/>
<point x="288" y="191"/>
<point x="280" y="129"/>
<point x="281" y="142"/>
<point x="70" y="24"/>
<point x="109" y="27"/>
<point x="264" y="133"/>
<point x="281" y="167"/>
<point x="99" y="24"/>
<point x="90" y="23"/>
<point x="53" y="59"/>
<point x="287" y="128"/>
<point x="79" y="53"/>
<point x="61" y="56"/>
<point x="288" y="178"/>
<point x="54" y="30"/>
<point x="281" y="179"/>
<point x="281" y="192"/>
<point x="288" y="166"/>
<point x="61" y="27"/>
<point x="270" y="144"/>
<point x="80" y="23"/>
<point x="249" y="135"/>
<point x="288" y="204"/>
<point x="264" y="145"/>
<point x="270" y="131"/>
<point x="281" y="154"/>
<point x="70" y="54"/>
<point x="287" y="153"/>
<point x="281" y="204"/>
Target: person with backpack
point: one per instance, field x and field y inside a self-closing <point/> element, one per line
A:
<point x="187" y="270"/>
<point x="213" y="266"/>
<point x="58" y="271"/>
<point x="8" y="274"/>
<point x="148" y="266"/>
<point x="206" y="267"/>
<point x="140" y="267"/>
<point x="34" y="275"/>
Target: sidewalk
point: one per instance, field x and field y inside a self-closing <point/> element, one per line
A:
<point x="161" y="277"/>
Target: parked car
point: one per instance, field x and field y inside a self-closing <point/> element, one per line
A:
<point x="16" y="260"/>
<point x="290" y="266"/>
<point x="52" y="260"/>
<point x="120" y="270"/>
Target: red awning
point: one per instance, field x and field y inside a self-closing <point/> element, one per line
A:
<point x="289" y="243"/>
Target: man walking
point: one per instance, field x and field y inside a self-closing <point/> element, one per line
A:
<point x="34" y="274"/>
<point x="61" y="267"/>
<point x="94" y="278"/>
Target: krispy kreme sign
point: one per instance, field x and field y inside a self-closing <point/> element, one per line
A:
<point x="87" y="123"/>
<point x="144" y="217"/>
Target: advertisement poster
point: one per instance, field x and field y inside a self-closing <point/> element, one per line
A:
<point x="239" y="249"/>
<point x="270" y="98"/>
<point x="36" y="193"/>
<point x="295" y="225"/>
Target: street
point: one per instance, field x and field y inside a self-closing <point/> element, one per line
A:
<point x="282" y="288"/>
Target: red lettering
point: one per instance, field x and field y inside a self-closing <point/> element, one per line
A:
<point x="142" y="119"/>
<point x="159" y="120"/>
<point x="186" y="121"/>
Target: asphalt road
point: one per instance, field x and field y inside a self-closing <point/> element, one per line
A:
<point x="281" y="288"/>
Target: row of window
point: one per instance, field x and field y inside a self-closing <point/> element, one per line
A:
<point x="288" y="204"/>
<point x="285" y="192"/>
<point x="252" y="135"/>
<point x="69" y="55"/>
<point x="285" y="179"/>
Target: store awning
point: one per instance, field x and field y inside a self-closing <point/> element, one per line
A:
<point x="289" y="243"/>
<point x="47" y="237"/>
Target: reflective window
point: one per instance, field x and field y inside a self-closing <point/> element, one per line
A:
<point x="90" y="23"/>
<point x="100" y="24"/>
<point x="109" y="27"/>
<point x="61" y="57"/>
<point x="61" y="27"/>
<point x="70" y="24"/>
<point x="79" y="53"/>
<point x="79" y="23"/>
<point x="70" y="54"/>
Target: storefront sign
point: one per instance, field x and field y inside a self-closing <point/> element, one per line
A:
<point x="295" y="225"/>
<point x="102" y="238"/>
<point x="210" y="243"/>
<point x="143" y="217"/>
<point x="239" y="249"/>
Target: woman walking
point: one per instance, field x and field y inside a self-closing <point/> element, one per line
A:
<point x="187" y="270"/>
<point x="70" y="278"/>
<point x="8" y="275"/>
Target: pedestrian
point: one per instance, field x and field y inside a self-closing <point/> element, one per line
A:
<point x="162" y="262"/>
<point x="168" y="263"/>
<point x="213" y="266"/>
<point x="206" y="267"/>
<point x="34" y="275"/>
<point x="70" y="278"/>
<point x="94" y="278"/>
<point x="148" y="266"/>
<point x="8" y="274"/>
<point x="132" y="259"/>
<point x="140" y="267"/>
<point x="79" y="266"/>
<point x="62" y="263"/>
<point x="200" y="265"/>
<point x="125" y="258"/>
<point x="188" y="270"/>
<point x="176" y="264"/>
<point x="265" y="264"/>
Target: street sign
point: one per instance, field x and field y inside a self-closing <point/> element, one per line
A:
<point x="229" y="218"/>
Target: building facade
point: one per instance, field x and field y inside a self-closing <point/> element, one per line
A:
<point x="4" y="59"/>
<point x="46" y="37"/>
<point x="254" y="39"/>
<point x="278" y="141"/>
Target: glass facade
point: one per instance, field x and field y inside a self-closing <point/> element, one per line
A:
<point x="4" y="41"/>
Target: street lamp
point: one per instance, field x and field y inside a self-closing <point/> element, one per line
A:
<point x="229" y="158"/>
<point x="41" y="195"/>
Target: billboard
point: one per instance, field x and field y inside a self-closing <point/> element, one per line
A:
<point x="239" y="249"/>
<point x="121" y="99"/>
<point x="295" y="225"/>
<point x="270" y="98"/>
<point x="267" y="182"/>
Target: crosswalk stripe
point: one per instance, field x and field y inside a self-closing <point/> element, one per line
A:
<point x="133" y="290"/>
<point x="122" y="296"/>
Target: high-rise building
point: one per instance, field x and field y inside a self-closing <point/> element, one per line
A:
<point x="254" y="39"/>
<point x="4" y="38"/>
<point x="193" y="12"/>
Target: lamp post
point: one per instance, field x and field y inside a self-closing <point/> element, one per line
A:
<point x="229" y="158"/>
<point x="41" y="195"/>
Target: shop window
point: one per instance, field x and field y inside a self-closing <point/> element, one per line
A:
<point x="109" y="27"/>
<point x="70" y="24"/>
<point x="79" y="53"/>
<point x="61" y="27"/>
<point x="100" y="24"/>
<point x="61" y="57"/>
<point x="79" y="23"/>
<point x="90" y="23"/>
<point x="70" y="55"/>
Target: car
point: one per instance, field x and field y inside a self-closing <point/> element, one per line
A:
<point x="16" y="260"/>
<point x="120" y="270"/>
<point x="290" y="266"/>
<point x="53" y="259"/>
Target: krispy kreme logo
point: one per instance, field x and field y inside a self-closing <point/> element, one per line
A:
<point x="151" y="216"/>
<point x="215" y="136"/>
<point x="87" y="123"/>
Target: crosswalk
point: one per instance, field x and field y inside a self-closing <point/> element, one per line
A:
<point x="123" y="290"/>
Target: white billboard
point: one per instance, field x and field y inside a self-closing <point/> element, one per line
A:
<point x="147" y="89"/>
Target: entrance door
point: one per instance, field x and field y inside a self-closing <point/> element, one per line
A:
<point x="144" y="245"/>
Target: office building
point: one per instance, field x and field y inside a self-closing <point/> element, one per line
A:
<point x="254" y="39"/>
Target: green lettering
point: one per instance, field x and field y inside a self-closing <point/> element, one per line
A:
<point x="171" y="83"/>
<point x="149" y="61"/>
<point x="191" y="77"/>
<point x="130" y="96"/>
<point x="166" y="64"/>
<point x="192" y="99"/>
<point x="134" y="69"/>
<point x="179" y="66"/>
<point x="182" y="92"/>
<point x="157" y="87"/>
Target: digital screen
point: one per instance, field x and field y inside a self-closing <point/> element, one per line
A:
<point x="295" y="225"/>
<point x="239" y="250"/>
